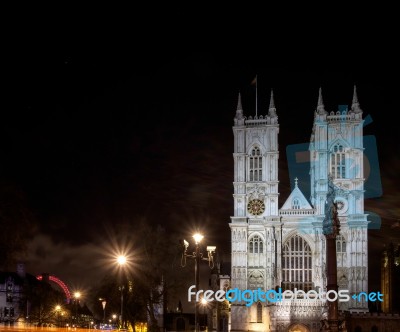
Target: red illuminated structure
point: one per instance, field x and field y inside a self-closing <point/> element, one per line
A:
<point x="61" y="284"/>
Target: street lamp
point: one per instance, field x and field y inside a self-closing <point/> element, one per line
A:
<point x="197" y="256"/>
<point x="114" y="316"/>
<point x="103" y="303"/>
<point x="58" y="308"/>
<point x="121" y="260"/>
<point x="204" y="304"/>
<point x="77" y="295"/>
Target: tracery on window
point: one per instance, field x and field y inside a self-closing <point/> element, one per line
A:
<point x="255" y="167"/>
<point x="338" y="162"/>
<point x="256" y="245"/>
<point x="297" y="264"/>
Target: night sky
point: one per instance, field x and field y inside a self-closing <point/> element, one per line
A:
<point x="99" y="133"/>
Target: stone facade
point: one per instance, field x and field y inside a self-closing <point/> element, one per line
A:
<point x="284" y="247"/>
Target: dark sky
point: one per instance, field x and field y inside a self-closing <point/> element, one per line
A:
<point x="96" y="132"/>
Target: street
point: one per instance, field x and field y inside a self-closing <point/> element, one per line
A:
<point x="44" y="329"/>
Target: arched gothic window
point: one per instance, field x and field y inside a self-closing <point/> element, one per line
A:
<point x="338" y="162"/>
<point x="256" y="245"/>
<point x="297" y="264"/>
<point x="255" y="169"/>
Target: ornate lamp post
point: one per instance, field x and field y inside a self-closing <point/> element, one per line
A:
<point x="197" y="256"/>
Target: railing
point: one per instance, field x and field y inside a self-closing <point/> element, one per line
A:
<point x="302" y="212"/>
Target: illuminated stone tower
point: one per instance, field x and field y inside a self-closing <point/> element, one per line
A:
<point x="256" y="216"/>
<point x="336" y="148"/>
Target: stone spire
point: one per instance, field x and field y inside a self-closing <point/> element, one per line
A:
<point x="355" y="105"/>
<point x="321" y="106"/>
<point x="239" y="108"/>
<point x="272" y="109"/>
<point x="239" y="118"/>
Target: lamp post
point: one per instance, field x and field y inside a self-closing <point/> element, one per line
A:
<point x="103" y="304"/>
<point x="197" y="256"/>
<point x="77" y="295"/>
<point x="121" y="260"/>
<point x="114" y="316"/>
<point x="58" y="308"/>
<point x="204" y="304"/>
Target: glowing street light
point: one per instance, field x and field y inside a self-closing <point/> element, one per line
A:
<point x="121" y="260"/>
<point x="58" y="308"/>
<point x="103" y="303"/>
<point x="197" y="256"/>
<point x="77" y="296"/>
<point x="198" y="237"/>
<point x="204" y="304"/>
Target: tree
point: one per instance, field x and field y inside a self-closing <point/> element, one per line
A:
<point x="43" y="300"/>
<point x="158" y="271"/>
<point x="151" y="281"/>
<point x="109" y="290"/>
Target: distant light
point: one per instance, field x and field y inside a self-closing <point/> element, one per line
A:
<point x="121" y="260"/>
<point x="197" y="238"/>
<point x="203" y="301"/>
<point x="77" y="295"/>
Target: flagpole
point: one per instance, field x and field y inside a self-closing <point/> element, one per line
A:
<point x="252" y="83"/>
<point x="256" y="94"/>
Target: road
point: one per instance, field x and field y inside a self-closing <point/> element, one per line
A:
<point x="44" y="329"/>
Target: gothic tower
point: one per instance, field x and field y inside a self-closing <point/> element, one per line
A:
<point x="336" y="149"/>
<point x="256" y="217"/>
